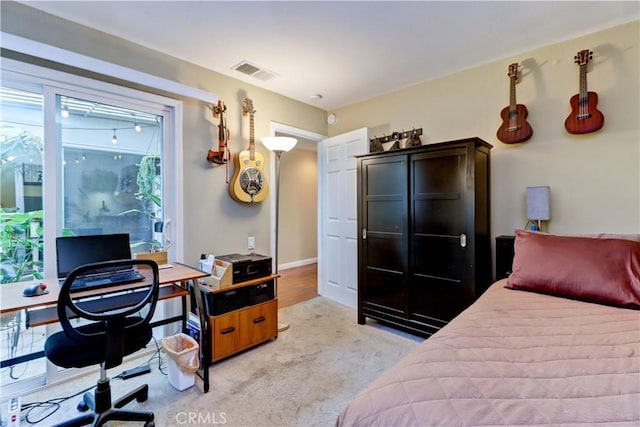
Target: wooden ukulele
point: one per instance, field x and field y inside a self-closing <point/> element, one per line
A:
<point x="515" y="127"/>
<point x="248" y="184"/>
<point x="223" y="155"/>
<point x="584" y="117"/>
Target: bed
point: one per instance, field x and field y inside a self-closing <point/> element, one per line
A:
<point x="558" y="343"/>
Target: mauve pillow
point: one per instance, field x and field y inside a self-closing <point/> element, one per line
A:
<point x="596" y="270"/>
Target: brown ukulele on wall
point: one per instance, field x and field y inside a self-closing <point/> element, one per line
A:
<point x="584" y="117"/>
<point x="223" y="155"/>
<point x="248" y="184"/>
<point x="515" y="127"/>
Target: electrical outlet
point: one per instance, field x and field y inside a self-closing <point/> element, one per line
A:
<point x="251" y="243"/>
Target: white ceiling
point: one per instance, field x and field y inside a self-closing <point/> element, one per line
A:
<point x="347" y="51"/>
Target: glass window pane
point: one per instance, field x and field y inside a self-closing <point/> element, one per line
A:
<point x="21" y="223"/>
<point x="112" y="180"/>
<point x="21" y="180"/>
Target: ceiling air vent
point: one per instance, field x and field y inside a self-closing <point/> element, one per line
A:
<point x="254" y="71"/>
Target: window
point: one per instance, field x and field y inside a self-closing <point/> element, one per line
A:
<point x="112" y="171"/>
<point x="78" y="157"/>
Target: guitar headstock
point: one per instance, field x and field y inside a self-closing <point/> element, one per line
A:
<point x="513" y="71"/>
<point x="220" y="108"/>
<point x="583" y="57"/>
<point x="247" y="107"/>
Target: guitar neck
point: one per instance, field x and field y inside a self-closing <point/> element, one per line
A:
<point x="583" y="82"/>
<point x="222" y="130"/>
<point x="252" y="145"/>
<point x="512" y="94"/>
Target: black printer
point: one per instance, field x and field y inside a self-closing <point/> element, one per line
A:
<point x="247" y="267"/>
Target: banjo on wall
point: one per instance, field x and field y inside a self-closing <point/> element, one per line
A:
<point x="248" y="184"/>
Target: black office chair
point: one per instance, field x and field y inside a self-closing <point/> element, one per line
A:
<point x="119" y="325"/>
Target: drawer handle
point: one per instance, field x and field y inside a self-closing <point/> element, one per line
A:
<point x="227" y="330"/>
<point x="259" y="319"/>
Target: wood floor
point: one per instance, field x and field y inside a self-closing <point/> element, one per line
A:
<point x="297" y="284"/>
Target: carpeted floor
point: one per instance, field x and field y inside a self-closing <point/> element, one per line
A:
<point x="303" y="378"/>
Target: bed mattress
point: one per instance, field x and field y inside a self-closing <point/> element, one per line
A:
<point x="514" y="358"/>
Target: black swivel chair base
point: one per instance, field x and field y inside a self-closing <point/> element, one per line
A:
<point x="102" y="411"/>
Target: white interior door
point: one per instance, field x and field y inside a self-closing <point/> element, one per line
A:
<point x="337" y="234"/>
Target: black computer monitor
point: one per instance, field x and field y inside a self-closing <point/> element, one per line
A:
<point x="74" y="251"/>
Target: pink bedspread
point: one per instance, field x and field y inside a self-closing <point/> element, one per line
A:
<point x="514" y="358"/>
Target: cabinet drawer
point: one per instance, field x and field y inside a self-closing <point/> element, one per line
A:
<point x="225" y="334"/>
<point x="258" y="323"/>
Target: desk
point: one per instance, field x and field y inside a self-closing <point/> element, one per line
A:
<point x="41" y="310"/>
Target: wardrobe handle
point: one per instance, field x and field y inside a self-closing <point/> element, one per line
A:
<point x="227" y="330"/>
<point x="463" y="240"/>
<point x="364" y="233"/>
<point x="259" y="319"/>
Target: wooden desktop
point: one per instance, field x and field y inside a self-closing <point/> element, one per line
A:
<point x="42" y="309"/>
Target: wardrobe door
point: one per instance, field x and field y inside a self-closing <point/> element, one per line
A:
<point x="383" y="245"/>
<point x="441" y="283"/>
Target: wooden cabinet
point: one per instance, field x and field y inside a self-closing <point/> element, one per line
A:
<point x="244" y="328"/>
<point x="423" y="248"/>
<point x="225" y="335"/>
<point x="242" y="316"/>
<point x="258" y="323"/>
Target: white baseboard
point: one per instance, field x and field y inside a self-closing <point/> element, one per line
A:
<point x="298" y="263"/>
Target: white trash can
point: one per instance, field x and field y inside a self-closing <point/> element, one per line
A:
<point x="182" y="360"/>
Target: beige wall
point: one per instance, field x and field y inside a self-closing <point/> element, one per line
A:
<point x="594" y="178"/>
<point x="299" y="206"/>
<point x="213" y="221"/>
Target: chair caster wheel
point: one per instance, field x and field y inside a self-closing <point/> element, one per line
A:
<point x="82" y="406"/>
<point x="142" y="397"/>
<point x="150" y="424"/>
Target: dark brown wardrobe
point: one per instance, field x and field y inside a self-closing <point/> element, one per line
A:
<point x="424" y="252"/>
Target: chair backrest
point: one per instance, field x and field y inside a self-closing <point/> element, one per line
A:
<point x="116" y="310"/>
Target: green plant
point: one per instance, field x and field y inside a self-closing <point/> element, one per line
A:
<point x="20" y="245"/>
<point x="148" y="179"/>
<point x="149" y="194"/>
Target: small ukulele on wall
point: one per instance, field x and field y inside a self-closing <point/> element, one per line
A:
<point x="584" y="117"/>
<point x="248" y="184"/>
<point x="515" y="127"/>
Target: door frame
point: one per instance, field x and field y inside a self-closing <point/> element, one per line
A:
<point x="281" y="129"/>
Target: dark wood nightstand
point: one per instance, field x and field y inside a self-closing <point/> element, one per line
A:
<point x="504" y="256"/>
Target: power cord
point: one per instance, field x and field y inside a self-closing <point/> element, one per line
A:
<point x="50" y="406"/>
<point x="158" y="355"/>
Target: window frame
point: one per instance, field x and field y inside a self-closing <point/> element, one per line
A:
<point x="53" y="82"/>
<point x="50" y="83"/>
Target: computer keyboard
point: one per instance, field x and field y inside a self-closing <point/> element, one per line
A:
<point x="105" y="280"/>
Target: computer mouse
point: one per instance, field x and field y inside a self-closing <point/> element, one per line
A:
<point x="35" y="290"/>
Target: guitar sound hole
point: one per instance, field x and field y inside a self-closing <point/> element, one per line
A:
<point x="251" y="181"/>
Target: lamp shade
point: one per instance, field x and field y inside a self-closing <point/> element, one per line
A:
<point x="279" y="143"/>
<point x="538" y="203"/>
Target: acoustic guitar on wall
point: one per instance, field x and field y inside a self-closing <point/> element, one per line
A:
<point x="248" y="184"/>
<point x="515" y="127"/>
<point x="584" y="117"/>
